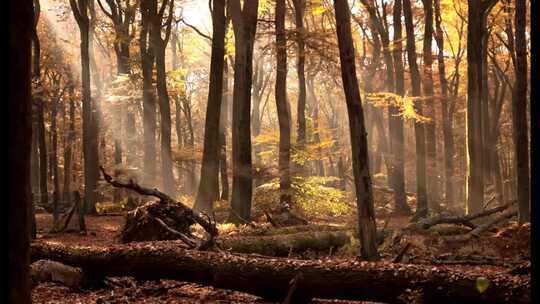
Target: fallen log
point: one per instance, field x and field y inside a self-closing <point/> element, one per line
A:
<point x="284" y="245"/>
<point x="269" y="278"/>
<point x="475" y="233"/>
<point x="206" y="224"/>
<point x="464" y="219"/>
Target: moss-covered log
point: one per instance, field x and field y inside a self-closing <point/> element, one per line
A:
<point x="269" y="278"/>
<point x="283" y="245"/>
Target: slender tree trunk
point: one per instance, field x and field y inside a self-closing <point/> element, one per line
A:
<point x="319" y="164"/>
<point x="421" y="191"/>
<point x="19" y="137"/>
<point x="223" y="123"/>
<point x="149" y="104"/>
<point x="68" y="149"/>
<point x="447" y="118"/>
<point x="397" y="147"/>
<point x="364" y="195"/>
<point x="299" y="9"/>
<point x="430" y="127"/>
<point x="519" y="114"/>
<point x="209" y="184"/>
<point x="44" y="195"/>
<point x="244" y="24"/>
<point x="54" y="162"/>
<point x="282" y="106"/>
<point x="165" y="111"/>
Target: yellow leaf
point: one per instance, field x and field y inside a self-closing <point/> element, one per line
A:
<point x="482" y="284"/>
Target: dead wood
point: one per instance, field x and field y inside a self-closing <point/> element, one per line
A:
<point x="269" y="278"/>
<point x="475" y="233"/>
<point x="208" y="226"/>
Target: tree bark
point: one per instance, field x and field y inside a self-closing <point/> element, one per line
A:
<point x="430" y="127"/>
<point x="19" y="136"/>
<point x="419" y="132"/>
<point x="158" y="45"/>
<point x="209" y="183"/>
<point x="149" y="104"/>
<point x="364" y="192"/>
<point x="397" y="147"/>
<point x="90" y="144"/>
<point x="519" y="114"/>
<point x="299" y="9"/>
<point x="447" y="116"/>
<point x="476" y="31"/>
<point x="282" y="106"/>
<point x="223" y="123"/>
<point x="244" y="22"/>
<point x="44" y="192"/>
<point x="269" y="278"/>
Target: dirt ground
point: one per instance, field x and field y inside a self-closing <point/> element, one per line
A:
<point x="498" y="253"/>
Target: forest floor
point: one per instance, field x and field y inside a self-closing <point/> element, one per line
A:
<point x="504" y="249"/>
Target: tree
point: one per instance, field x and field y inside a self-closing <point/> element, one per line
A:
<point x="430" y="126"/>
<point x="90" y="138"/>
<point x="19" y="132"/>
<point x="244" y="20"/>
<point x="158" y="45"/>
<point x="519" y="114"/>
<point x="445" y="109"/>
<point x="209" y="183"/>
<point x="149" y="103"/>
<point x="396" y="123"/>
<point x="299" y="9"/>
<point x="362" y="179"/>
<point x="283" y="112"/>
<point x="476" y="45"/>
<point x="419" y="132"/>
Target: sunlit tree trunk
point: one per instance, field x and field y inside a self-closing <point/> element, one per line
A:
<point x="299" y="9"/>
<point x="244" y="25"/>
<point x="209" y="183"/>
<point x="476" y="31"/>
<point x="282" y="106"/>
<point x="319" y="164"/>
<point x="149" y="103"/>
<point x="158" y="45"/>
<point x="362" y="180"/>
<point x="448" y="137"/>
<point x="421" y="192"/>
<point x="430" y="127"/>
<point x="396" y="123"/>
<point x="90" y="145"/>
<point x="223" y="124"/>
<point x="19" y="136"/>
<point x="68" y="149"/>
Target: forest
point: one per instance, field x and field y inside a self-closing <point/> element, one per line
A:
<point x="270" y="151"/>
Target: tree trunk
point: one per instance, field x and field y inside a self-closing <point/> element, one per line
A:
<point x="270" y="278"/>
<point x="447" y="116"/>
<point x="223" y="123"/>
<point x="397" y="147"/>
<point x="244" y="24"/>
<point x="476" y="31"/>
<point x="421" y="191"/>
<point x="209" y="183"/>
<point x="282" y="106"/>
<point x="19" y="136"/>
<point x="68" y="149"/>
<point x="149" y="104"/>
<point x="519" y="114"/>
<point x="430" y="127"/>
<point x="362" y="179"/>
<point x="158" y="45"/>
<point x="299" y="9"/>
<point x="54" y="162"/>
<point x="44" y="195"/>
